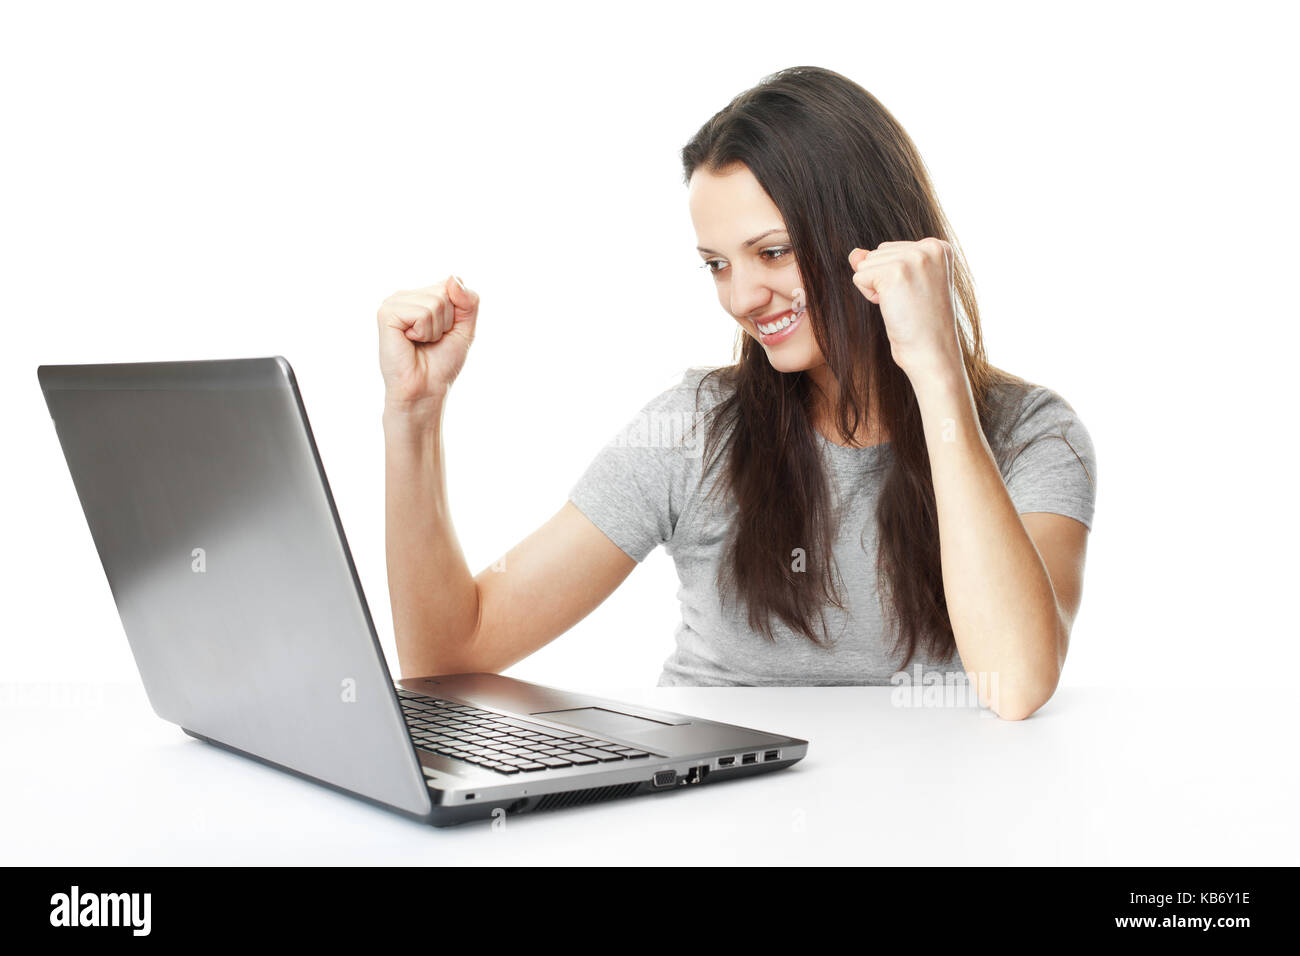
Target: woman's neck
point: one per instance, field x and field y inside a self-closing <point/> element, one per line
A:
<point x="826" y="394"/>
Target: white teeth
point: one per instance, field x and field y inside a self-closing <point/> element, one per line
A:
<point x="777" y="326"/>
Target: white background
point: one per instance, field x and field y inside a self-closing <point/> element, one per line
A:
<point x="190" y="181"/>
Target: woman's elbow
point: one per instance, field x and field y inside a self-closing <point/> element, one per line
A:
<point x="1021" y="700"/>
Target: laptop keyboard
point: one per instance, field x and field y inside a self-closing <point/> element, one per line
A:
<point x="497" y="742"/>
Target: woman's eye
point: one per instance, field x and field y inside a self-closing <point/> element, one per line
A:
<point x="775" y="254"/>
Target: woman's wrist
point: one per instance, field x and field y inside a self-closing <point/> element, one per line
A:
<point x="420" y="413"/>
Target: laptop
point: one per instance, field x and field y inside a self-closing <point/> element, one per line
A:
<point x="209" y="506"/>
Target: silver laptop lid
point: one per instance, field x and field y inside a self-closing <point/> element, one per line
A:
<point x="214" y="521"/>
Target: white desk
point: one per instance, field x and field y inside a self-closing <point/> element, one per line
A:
<point x="1162" y="777"/>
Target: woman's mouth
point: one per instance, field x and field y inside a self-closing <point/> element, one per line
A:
<point x="779" y="329"/>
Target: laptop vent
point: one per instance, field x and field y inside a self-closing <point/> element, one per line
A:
<point x="553" y="801"/>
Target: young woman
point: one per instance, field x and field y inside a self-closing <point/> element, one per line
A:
<point x="861" y="491"/>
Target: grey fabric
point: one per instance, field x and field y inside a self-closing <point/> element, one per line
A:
<point x="646" y="488"/>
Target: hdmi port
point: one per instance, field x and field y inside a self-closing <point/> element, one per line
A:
<point x="726" y="761"/>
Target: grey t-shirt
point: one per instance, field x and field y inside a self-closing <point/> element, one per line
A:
<point x="646" y="487"/>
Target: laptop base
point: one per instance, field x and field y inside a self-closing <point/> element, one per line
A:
<point x="447" y="816"/>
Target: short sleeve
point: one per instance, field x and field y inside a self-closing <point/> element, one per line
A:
<point x="1053" y="466"/>
<point x="634" y="488"/>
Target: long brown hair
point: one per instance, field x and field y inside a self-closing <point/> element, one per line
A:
<point x="843" y="174"/>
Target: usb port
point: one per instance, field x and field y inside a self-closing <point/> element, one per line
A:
<point x="726" y="761"/>
<point x="749" y="758"/>
<point x="770" y="755"/>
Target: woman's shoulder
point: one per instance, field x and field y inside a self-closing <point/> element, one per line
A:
<point x="713" y="379"/>
<point x="677" y="418"/>
<point x="1016" y="403"/>
<point x="1028" y="416"/>
<point x="696" y="391"/>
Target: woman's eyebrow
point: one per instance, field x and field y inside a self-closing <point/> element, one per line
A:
<point x="744" y="245"/>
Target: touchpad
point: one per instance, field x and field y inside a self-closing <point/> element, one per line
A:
<point x="603" y="721"/>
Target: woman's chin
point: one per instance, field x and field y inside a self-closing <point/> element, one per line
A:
<point x="789" y="357"/>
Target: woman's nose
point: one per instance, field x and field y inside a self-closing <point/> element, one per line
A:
<point x="749" y="298"/>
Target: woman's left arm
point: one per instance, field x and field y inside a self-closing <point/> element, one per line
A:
<point x="1012" y="582"/>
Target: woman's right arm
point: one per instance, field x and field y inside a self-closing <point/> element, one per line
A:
<point x="445" y="620"/>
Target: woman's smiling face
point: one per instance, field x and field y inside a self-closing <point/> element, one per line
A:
<point x="744" y="244"/>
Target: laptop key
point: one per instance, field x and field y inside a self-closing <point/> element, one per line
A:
<point x="555" y="761"/>
<point x="603" y="756"/>
<point x="486" y="738"/>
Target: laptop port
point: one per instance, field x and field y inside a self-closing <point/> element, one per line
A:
<point x="749" y="758"/>
<point x="726" y="761"/>
<point x="665" y="778"/>
<point x="770" y="755"/>
<point x="697" y="774"/>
